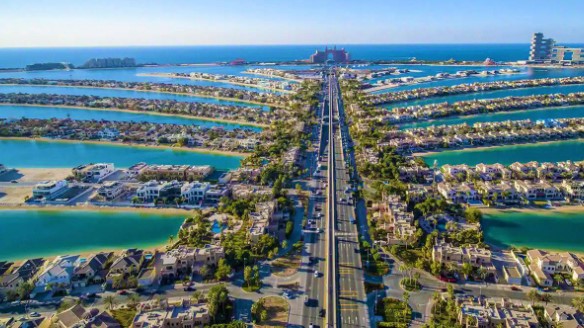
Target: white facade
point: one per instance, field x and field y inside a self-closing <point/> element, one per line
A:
<point x="194" y="192"/>
<point x="48" y="188"/>
<point x="58" y="273"/>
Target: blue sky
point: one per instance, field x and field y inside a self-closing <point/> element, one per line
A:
<point x="47" y="23"/>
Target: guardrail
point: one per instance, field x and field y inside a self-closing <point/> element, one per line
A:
<point x="332" y="278"/>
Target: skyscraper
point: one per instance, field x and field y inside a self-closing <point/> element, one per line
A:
<point x="541" y="49"/>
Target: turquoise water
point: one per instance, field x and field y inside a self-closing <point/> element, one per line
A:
<point x="117" y="93"/>
<point x="42" y="154"/>
<point x="217" y="227"/>
<point x="528" y="73"/>
<point x="32" y="233"/>
<point x="16" y="112"/>
<point x="546" y="229"/>
<point x="546" y="152"/>
<point x="534" y="115"/>
<point x="490" y="95"/>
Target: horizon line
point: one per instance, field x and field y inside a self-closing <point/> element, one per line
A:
<point x="275" y="45"/>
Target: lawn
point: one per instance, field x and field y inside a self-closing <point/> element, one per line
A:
<point x="124" y="316"/>
<point x="277" y="308"/>
<point x="287" y="265"/>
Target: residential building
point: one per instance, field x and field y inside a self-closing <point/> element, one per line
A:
<point x="194" y="192"/>
<point x="178" y="314"/>
<point x="111" y="190"/>
<point x="129" y="262"/>
<point x="537" y="190"/>
<point x="215" y="193"/>
<point x="24" y="272"/>
<point x="77" y="316"/>
<point x="573" y="189"/>
<point x="447" y="253"/>
<point x="566" y="55"/>
<point x="564" y="316"/>
<point x="486" y="313"/>
<point x="543" y="265"/>
<point x="49" y="189"/>
<point x="458" y="193"/>
<point x="94" y="172"/>
<point x="153" y="189"/>
<point x="107" y="133"/>
<point x="175" y="172"/>
<point x="208" y="255"/>
<point x="57" y="274"/>
<point x="92" y="270"/>
<point x="540" y="49"/>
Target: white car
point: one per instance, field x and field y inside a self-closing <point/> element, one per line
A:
<point x="316" y="274"/>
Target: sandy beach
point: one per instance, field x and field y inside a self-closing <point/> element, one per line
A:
<point x="153" y="91"/>
<point x="559" y="209"/>
<point x="119" y="144"/>
<point x="200" y="118"/>
<point x="490" y="147"/>
<point x="172" y="76"/>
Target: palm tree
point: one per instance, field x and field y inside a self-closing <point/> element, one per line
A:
<point x="578" y="303"/>
<point x="533" y="296"/>
<point x="170" y="239"/>
<point x="558" y="278"/>
<point x="110" y="301"/>
<point x="466" y="269"/>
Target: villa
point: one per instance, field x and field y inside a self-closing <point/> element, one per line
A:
<point x="91" y="270"/>
<point x="129" y="262"/>
<point x="93" y="172"/>
<point x="486" y="313"/>
<point x="446" y="253"/>
<point x="194" y="192"/>
<point x="503" y="191"/>
<point x="458" y="193"/>
<point x="153" y="189"/>
<point x="49" y="189"/>
<point x="111" y="190"/>
<point x="544" y="265"/>
<point x="181" y="314"/>
<point x="537" y="190"/>
<point x="175" y="172"/>
<point x="573" y="189"/>
<point x="20" y="274"/>
<point x="564" y="316"/>
<point x="78" y="316"/>
<point x="57" y="274"/>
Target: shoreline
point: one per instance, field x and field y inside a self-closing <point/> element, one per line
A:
<point x="436" y="122"/>
<point x="152" y="91"/>
<point x="535" y="210"/>
<point x="170" y="75"/>
<point x="470" y="149"/>
<point x="120" y="144"/>
<point x="164" y="212"/>
<point x="200" y="118"/>
<point x="438" y="99"/>
<point x="567" y="209"/>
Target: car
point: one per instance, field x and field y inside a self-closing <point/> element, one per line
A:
<point x="34" y="314"/>
<point x="311" y="325"/>
<point x="122" y="292"/>
<point x="515" y="288"/>
<point x="316" y="273"/>
<point x="352" y="220"/>
<point x="322" y="312"/>
<point x="189" y="289"/>
<point x="286" y="295"/>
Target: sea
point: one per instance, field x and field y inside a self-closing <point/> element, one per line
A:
<point x="19" y="57"/>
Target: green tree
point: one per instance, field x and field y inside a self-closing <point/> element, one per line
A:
<point x="466" y="270"/>
<point x="578" y="303"/>
<point x="217" y="299"/>
<point x="247" y="275"/>
<point x="223" y="270"/>
<point x="110" y="301"/>
<point x="24" y="290"/>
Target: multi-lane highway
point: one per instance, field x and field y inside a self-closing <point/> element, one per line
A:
<point x="334" y="289"/>
<point x="351" y="296"/>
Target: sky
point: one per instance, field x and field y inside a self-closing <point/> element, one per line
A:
<point x="67" y="23"/>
